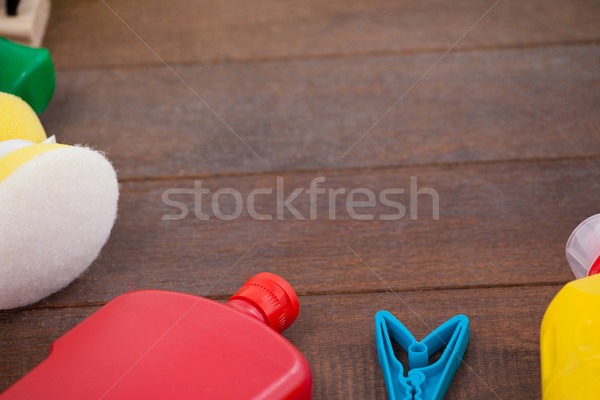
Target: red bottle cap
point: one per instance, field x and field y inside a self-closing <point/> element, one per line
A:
<point x="274" y="297"/>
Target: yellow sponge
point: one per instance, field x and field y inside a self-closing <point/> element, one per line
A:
<point x="18" y="120"/>
<point x="15" y="159"/>
<point x="57" y="207"/>
<point x="58" y="204"/>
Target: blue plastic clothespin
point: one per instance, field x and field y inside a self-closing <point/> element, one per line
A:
<point x="423" y="381"/>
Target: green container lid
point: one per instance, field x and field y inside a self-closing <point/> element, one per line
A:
<point x="26" y="72"/>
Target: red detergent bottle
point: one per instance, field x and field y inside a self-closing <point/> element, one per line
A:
<point x="153" y="344"/>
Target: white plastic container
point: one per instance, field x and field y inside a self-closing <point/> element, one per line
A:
<point x="583" y="248"/>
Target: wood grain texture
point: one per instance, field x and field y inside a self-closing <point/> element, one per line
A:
<point x="513" y="104"/>
<point x="499" y="224"/>
<point x="505" y="128"/>
<point x="86" y="33"/>
<point x="336" y="334"/>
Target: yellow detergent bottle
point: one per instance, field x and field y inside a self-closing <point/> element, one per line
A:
<point x="570" y="333"/>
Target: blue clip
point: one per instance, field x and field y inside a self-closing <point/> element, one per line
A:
<point x="423" y="381"/>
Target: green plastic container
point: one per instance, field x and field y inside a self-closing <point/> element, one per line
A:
<point x="26" y="72"/>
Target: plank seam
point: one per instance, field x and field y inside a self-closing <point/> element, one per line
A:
<point x="368" y="168"/>
<point x="325" y="293"/>
<point x="340" y="56"/>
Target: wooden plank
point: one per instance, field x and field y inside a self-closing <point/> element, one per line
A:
<point x="336" y="334"/>
<point x="86" y="33"/>
<point x="488" y="105"/>
<point x="499" y="224"/>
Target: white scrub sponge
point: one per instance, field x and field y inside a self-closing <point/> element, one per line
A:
<point x="56" y="212"/>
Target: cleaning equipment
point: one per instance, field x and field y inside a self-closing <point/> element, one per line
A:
<point x="25" y="21"/>
<point x="569" y="342"/>
<point x="570" y="332"/>
<point x="154" y="344"/>
<point x="424" y="381"/>
<point x="583" y="248"/>
<point x="58" y="204"/>
<point x="27" y="73"/>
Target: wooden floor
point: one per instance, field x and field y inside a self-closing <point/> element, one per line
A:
<point x="504" y="126"/>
